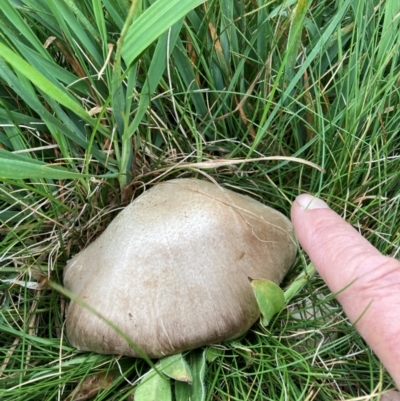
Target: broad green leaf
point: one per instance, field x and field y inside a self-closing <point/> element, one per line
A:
<point x="183" y="391"/>
<point x="152" y="23"/>
<point x="246" y="353"/>
<point x="176" y="368"/>
<point x="198" y="366"/>
<point x="213" y="353"/>
<point x="154" y="387"/>
<point x="270" y="298"/>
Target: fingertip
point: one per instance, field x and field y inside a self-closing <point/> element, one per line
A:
<point x="330" y="241"/>
<point x="310" y="202"/>
<point x="305" y="209"/>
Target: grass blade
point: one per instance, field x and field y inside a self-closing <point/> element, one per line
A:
<point x="13" y="166"/>
<point x="294" y="39"/>
<point x="43" y="83"/>
<point x="160" y="16"/>
<point x="156" y="70"/>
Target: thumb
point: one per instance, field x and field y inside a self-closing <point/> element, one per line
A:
<point x="368" y="282"/>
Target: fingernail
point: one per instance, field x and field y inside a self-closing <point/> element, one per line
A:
<point x="308" y="202"/>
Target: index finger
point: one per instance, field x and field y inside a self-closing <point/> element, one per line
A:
<point x="367" y="283"/>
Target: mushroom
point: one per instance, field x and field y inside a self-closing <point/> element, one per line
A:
<point x="172" y="270"/>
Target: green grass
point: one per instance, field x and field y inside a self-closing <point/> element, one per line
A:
<point x="90" y="117"/>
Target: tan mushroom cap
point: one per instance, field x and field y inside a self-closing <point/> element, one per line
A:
<point x="172" y="269"/>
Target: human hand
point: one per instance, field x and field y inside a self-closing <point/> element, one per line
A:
<point x="367" y="283"/>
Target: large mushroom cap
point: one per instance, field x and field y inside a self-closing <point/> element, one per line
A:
<point x="172" y="270"/>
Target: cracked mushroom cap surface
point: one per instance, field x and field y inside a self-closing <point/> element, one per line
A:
<point x="171" y="270"/>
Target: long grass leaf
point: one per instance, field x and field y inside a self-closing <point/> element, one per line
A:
<point x="319" y="45"/>
<point x="100" y="22"/>
<point x="23" y="29"/>
<point x="50" y="69"/>
<point x="73" y="29"/>
<point x="18" y="167"/>
<point x="61" y="123"/>
<point x="40" y="13"/>
<point x="119" y="98"/>
<point x="160" y="16"/>
<point x="81" y="20"/>
<point x="115" y="15"/>
<point x="43" y="83"/>
<point x="184" y="68"/>
<point x="390" y="30"/>
<point x="294" y="39"/>
<point x="157" y="67"/>
<point x="14" y="117"/>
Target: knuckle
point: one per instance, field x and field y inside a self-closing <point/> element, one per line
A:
<point x="380" y="276"/>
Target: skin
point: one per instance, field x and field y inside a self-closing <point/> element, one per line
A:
<point x="367" y="283"/>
